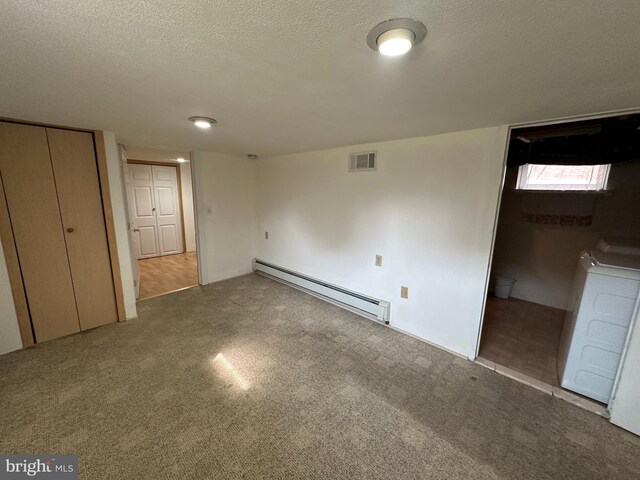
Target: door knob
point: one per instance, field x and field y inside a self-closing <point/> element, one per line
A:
<point x="70" y="230"/>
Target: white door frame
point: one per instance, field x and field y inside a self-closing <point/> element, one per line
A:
<point x="199" y="212"/>
<point x="130" y="227"/>
<point x="557" y="121"/>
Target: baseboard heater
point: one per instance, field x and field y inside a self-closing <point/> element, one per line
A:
<point x="355" y="302"/>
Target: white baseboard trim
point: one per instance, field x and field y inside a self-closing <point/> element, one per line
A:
<point x="229" y="276"/>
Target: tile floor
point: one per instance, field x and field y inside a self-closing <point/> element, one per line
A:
<point x="523" y="336"/>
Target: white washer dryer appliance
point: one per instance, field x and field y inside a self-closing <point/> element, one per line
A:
<point x="603" y="301"/>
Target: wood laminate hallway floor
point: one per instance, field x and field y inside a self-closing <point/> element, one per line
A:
<point x="159" y="275"/>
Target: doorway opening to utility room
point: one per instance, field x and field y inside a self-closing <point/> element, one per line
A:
<point x="161" y="220"/>
<point x="565" y="277"/>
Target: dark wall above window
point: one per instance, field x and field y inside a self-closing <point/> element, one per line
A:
<point x="591" y="142"/>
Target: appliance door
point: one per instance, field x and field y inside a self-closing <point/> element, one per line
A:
<point x="575" y="298"/>
<point x="599" y="335"/>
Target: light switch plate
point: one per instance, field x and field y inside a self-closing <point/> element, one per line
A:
<point x="266" y="235"/>
<point x="378" y="260"/>
<point x="404" y="292"/>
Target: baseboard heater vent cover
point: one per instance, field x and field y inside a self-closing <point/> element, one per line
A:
<point x="356" y="302"/>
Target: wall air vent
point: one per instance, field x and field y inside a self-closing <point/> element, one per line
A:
<point x="363" y="161"/>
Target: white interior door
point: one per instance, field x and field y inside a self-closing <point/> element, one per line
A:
<point x="155" y="210"/>
<point x="144" y="216"/>
<point x="167" y="201"/>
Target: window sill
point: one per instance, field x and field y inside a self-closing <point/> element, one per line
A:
<point x="603" y="193"/>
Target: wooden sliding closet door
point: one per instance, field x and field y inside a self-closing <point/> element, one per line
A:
<point x="30" y="190"/>
<point x="76" y="176"/>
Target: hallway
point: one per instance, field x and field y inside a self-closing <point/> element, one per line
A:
<point x="160" y="275"/>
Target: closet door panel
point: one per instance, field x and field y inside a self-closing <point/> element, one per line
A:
<point x="76" y="176"/>
<point x="32" y="202"/>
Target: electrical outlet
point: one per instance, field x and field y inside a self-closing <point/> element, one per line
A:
<point x="266" y="235"/>
<point x="378" y="260"/>
<point x="404" y="292"/>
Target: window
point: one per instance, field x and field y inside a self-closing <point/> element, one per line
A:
<point x="586" y="178"/>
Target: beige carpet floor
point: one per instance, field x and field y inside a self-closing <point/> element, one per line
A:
<point x="249" y="378"/>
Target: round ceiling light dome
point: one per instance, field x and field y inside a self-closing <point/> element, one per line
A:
<point x="203" y="122"/>
<point x="395" y="42"/>
<point x="396" y="37"/>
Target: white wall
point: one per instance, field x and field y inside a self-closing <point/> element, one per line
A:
<point x="187" y="207"/>
<point x="9" y="332"/>
<point x="225" y="190"/>
<point x="543" y="258"/>
<point x="428" y="210"/>
<point x="119" y="207"/>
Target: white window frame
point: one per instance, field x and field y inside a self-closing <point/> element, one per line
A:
<point x="523" y="183"/>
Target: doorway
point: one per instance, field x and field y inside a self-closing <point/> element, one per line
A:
<point x="569" y="221"/>
<point x="161" y="212"/>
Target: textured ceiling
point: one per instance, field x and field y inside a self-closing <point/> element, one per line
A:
<point x="287" y="76"/>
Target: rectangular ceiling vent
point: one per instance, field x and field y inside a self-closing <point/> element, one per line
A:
<point x="363" y="161"/>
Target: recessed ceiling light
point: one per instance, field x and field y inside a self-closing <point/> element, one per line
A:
<point x="180" y="160"/>
<point x="396" y="37"/>
<point x="203" y="122"/>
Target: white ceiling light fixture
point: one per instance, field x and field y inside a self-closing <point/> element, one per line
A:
<point x="203" y="122"/>
<point x="397" y="36"/>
